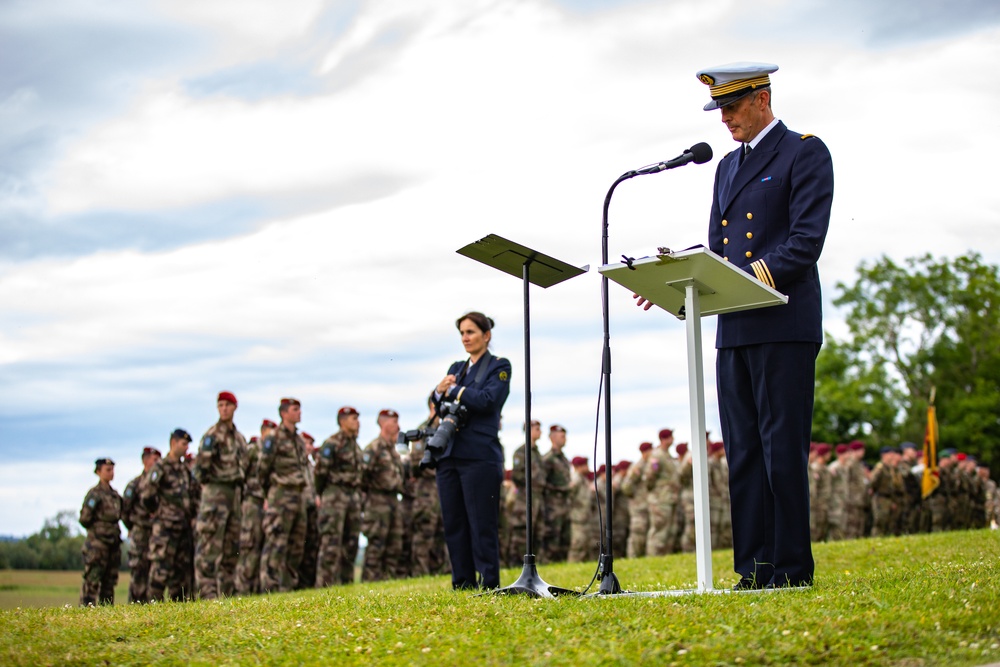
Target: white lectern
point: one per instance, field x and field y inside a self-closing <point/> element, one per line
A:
<point x="690" y="284"/>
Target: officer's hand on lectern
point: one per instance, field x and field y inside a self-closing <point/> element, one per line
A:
<point x="642" y="302"/>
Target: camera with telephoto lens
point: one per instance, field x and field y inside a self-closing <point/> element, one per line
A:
<point x="453" y="417"/>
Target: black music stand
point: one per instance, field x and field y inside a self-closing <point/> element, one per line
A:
<point x="532" y="267"/>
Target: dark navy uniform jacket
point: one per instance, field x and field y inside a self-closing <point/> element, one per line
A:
<point x="479" y="439"/>
<point x="770" y="217"/>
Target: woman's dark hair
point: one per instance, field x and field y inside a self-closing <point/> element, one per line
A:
<point x="484" y="323"/>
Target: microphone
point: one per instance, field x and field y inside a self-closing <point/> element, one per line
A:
<point x="700" y="153"/>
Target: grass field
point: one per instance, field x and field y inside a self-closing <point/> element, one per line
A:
<point x="923" y="600"/>
<point x="37" y="588"/>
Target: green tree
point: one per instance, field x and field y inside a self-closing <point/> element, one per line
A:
<point x="931" y="323"/>
<point x="855" y="399"/>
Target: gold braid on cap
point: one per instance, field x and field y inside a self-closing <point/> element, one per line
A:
<point x="734" y="86"/>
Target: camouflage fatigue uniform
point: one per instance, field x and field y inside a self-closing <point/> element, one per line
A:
<point x="583" y="519"/>
<point x="857" y="500"/>
<point x="992" y="503"/>
<point x="718" y="502"/>
<point x="251" y="525"/>
<point x="338" y="482"/>
<point x="638" y="509"/>
<point x="912" y="502"/>
<point x="685" y="527"/>
<point x="887" y="492"/>
<point x="102" y="555"/>
<point x="310" y="544"/>
<point x="518" y="513"/>
<point x="837" y="510"/>
<point x="381" y="522"/>
<point x="820" y="499"/>
<point x="169" y="492"/>
<point x="977" y="501"/>
<point x="555" y="506"/>
<point x="283" y="477"/>
<point x="661" y="480"/>
<point x="939" y="502"/>
<point x="428" y="551"/>
<point x="620" y="520"/>
<point x="219" y="468"/>
<point x="139" y="522"/>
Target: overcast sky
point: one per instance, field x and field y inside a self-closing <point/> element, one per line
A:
<point x="266" y="198"/>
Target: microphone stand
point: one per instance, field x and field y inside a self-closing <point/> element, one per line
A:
<point x="609" y="582"/>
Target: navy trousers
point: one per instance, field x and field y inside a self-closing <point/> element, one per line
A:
<point x="766" y="403"/>
<point x="470" y="509"/>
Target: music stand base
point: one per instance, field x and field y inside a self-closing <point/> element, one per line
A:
<point x="529" y="583"/>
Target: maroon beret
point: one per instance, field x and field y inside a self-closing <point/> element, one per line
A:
<point x="682" y="449"/>
<point x="267" y="423"/>
<point x="579" y="461"/>
<point x="346" y="411"/>
<point x="666" y="433"/>
<point x="840" y="449"/>
<point x="387" y="413"/>
<point x="227" y="396"/>
<point x="855" y="445"/>
<point x="287" y="402"/>
<point x="556" y="428"/>
<point x="146" y="451"/>
<point x="645" y="447"/>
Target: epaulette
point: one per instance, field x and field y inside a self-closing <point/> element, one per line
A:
<point x="726" y="155"/>
<point x="806" y="136"/>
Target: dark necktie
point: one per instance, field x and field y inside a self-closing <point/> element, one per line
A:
<point x="745" y="153"/>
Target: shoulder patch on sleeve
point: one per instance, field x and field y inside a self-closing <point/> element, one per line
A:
<point x="503" y="376"/>
<point x="155" y="475"/>
<point x="91" y="502"/>
<point x="268" y="444"/>
<point x="326" y="452"/>
<point x="128" y="492"/>
<point x="206" y="443"/>
<point x="806" y="136"/>
<point x="367" y="457"/>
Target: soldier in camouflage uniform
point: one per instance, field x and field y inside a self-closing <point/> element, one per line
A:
<point x="887" y="493"/>
<point x="582" y="514"/>
<point x="102" y="555"/>
<point x="310" y="546"/>
<point x="427" y="547"/>
<point x="858" y="502"/>
<point x="837" y="511"/>
<point x="685" y="510"/>
<point x="252" y="517"/>
<point x="661" y="481"/>
<point x="219" y="468"/>
<point x="619" y="509"/>
<point x="991" y="499"/>
<point x="977" y="507"/>
<point x="820" y="492"/>
<point x="139" y="522"/>
<point x="912" y="500"/>
<point x="939" y="501"/>
<point x="169" y="492"/>
<point x="338" y="483"/>
<point x="519" y="508"/>
<point x="381" y="520"/>
<point x="718" y="497"/>
<point x="555" y="501"/>
<point x="634" y="489"/>
<point x="283" y="473"/>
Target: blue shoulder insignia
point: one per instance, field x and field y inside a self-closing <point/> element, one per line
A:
<point x="268" y="444"/>
<point x="206" y="443"/>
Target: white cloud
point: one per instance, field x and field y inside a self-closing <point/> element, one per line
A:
<point x="493" y="117"/>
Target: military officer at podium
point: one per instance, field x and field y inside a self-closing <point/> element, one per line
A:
<point x="770" y="214"/>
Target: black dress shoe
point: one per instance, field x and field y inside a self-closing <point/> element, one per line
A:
<point x="747" y="584"/>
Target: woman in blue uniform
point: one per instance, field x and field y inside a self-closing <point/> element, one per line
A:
<point x="470" y="466"/>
